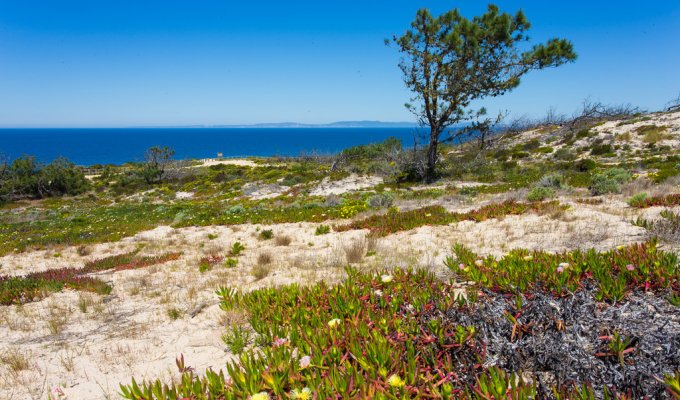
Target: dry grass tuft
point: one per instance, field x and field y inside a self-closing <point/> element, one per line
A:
<point x="283" y="240"/>
<point x="355" y="251"/>
<point x="14" y="360"/>
<point x="264" y="258"/>
<point x="84" y="250"/>
<point x="261" y="271"/>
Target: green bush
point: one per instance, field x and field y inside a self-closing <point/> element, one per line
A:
<point x="266" y="234"/>
<point x="236" y="249"/>
<point x="380" y="200"/>
<point x="609" y="181"/>
<point x="564" y="154"/>
<point x="555" y="180"/>
<point x="544" y="150"/>
<point x="585" y="165"/>
<point x="322" y="230"/>
<point x="27" y="178"/>
<point x="540" y="193"/>
<point x="637" y="199"/>
<point x="601" y="149"/>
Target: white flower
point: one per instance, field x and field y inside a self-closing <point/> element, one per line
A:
<point x="334" y="322"/>
<point x="305" y="362"/>
<point x="259" y="396"/>
<point x="564" y="265"/>
<point x="304" y="394"/>
<point x="386" y="278"/>
<point x="479" y="263"/>
<point x="378" y="292"/>
<point x="528" y="258"/>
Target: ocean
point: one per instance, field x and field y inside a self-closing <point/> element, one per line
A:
<point x="117" y="146"/>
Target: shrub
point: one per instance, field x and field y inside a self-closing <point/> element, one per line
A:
<point x="174" y="313"/>
<point x="637" y="200"/>
<point x="540" y="193"/>
<point x="380" y="200"/>
<point x="552" y="181"/>
<point x="564" y="154"/>
<point x="230" y="263"/>
<point x="322" y="230"/>
<point x="670" y="200"/>
<point x="585" y="165"/>
<point x="266" y="234"/>
<point x="609" y="181"/>
<point x="236" y="249"/>
<point x="601" y="149"/>
<point x="583" y="133"/>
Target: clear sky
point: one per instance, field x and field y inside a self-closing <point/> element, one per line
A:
<point x="98" y="63"/>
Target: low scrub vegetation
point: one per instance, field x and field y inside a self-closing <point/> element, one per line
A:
<point x="613" y="274"/>
<point x="395" y="220"/>
<point x="35" y="286"/>
<point x="670" y="200"/>
<point x="407" y="334"/>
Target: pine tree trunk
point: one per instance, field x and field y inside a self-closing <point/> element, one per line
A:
<point x="432" y="154"/>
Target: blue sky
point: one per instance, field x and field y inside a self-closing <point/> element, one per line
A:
<point x="128" y="63"/>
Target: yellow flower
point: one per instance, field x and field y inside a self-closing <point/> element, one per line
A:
<point x="528" y="258"/>
<point x="395" y="381"/>
<point x="304" y="394"/>
<point x="620" y="247"/>
<point x="259" y="396"/>
<point x="386" y="278"/>
<point x="334" y="322"/>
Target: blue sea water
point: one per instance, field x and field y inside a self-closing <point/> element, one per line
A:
<point x="117" y="146"/>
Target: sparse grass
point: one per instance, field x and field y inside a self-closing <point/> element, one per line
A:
<point x="652" y="133"/>
<point x="264" y="258"/>
<point x="83" y="250"/>
<point x="355" y="250"/>
<point x="174" y="313"/>
<point x="260" y="271"/>
<point x="283" y="240"/>
<point x="15" y="360"/>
